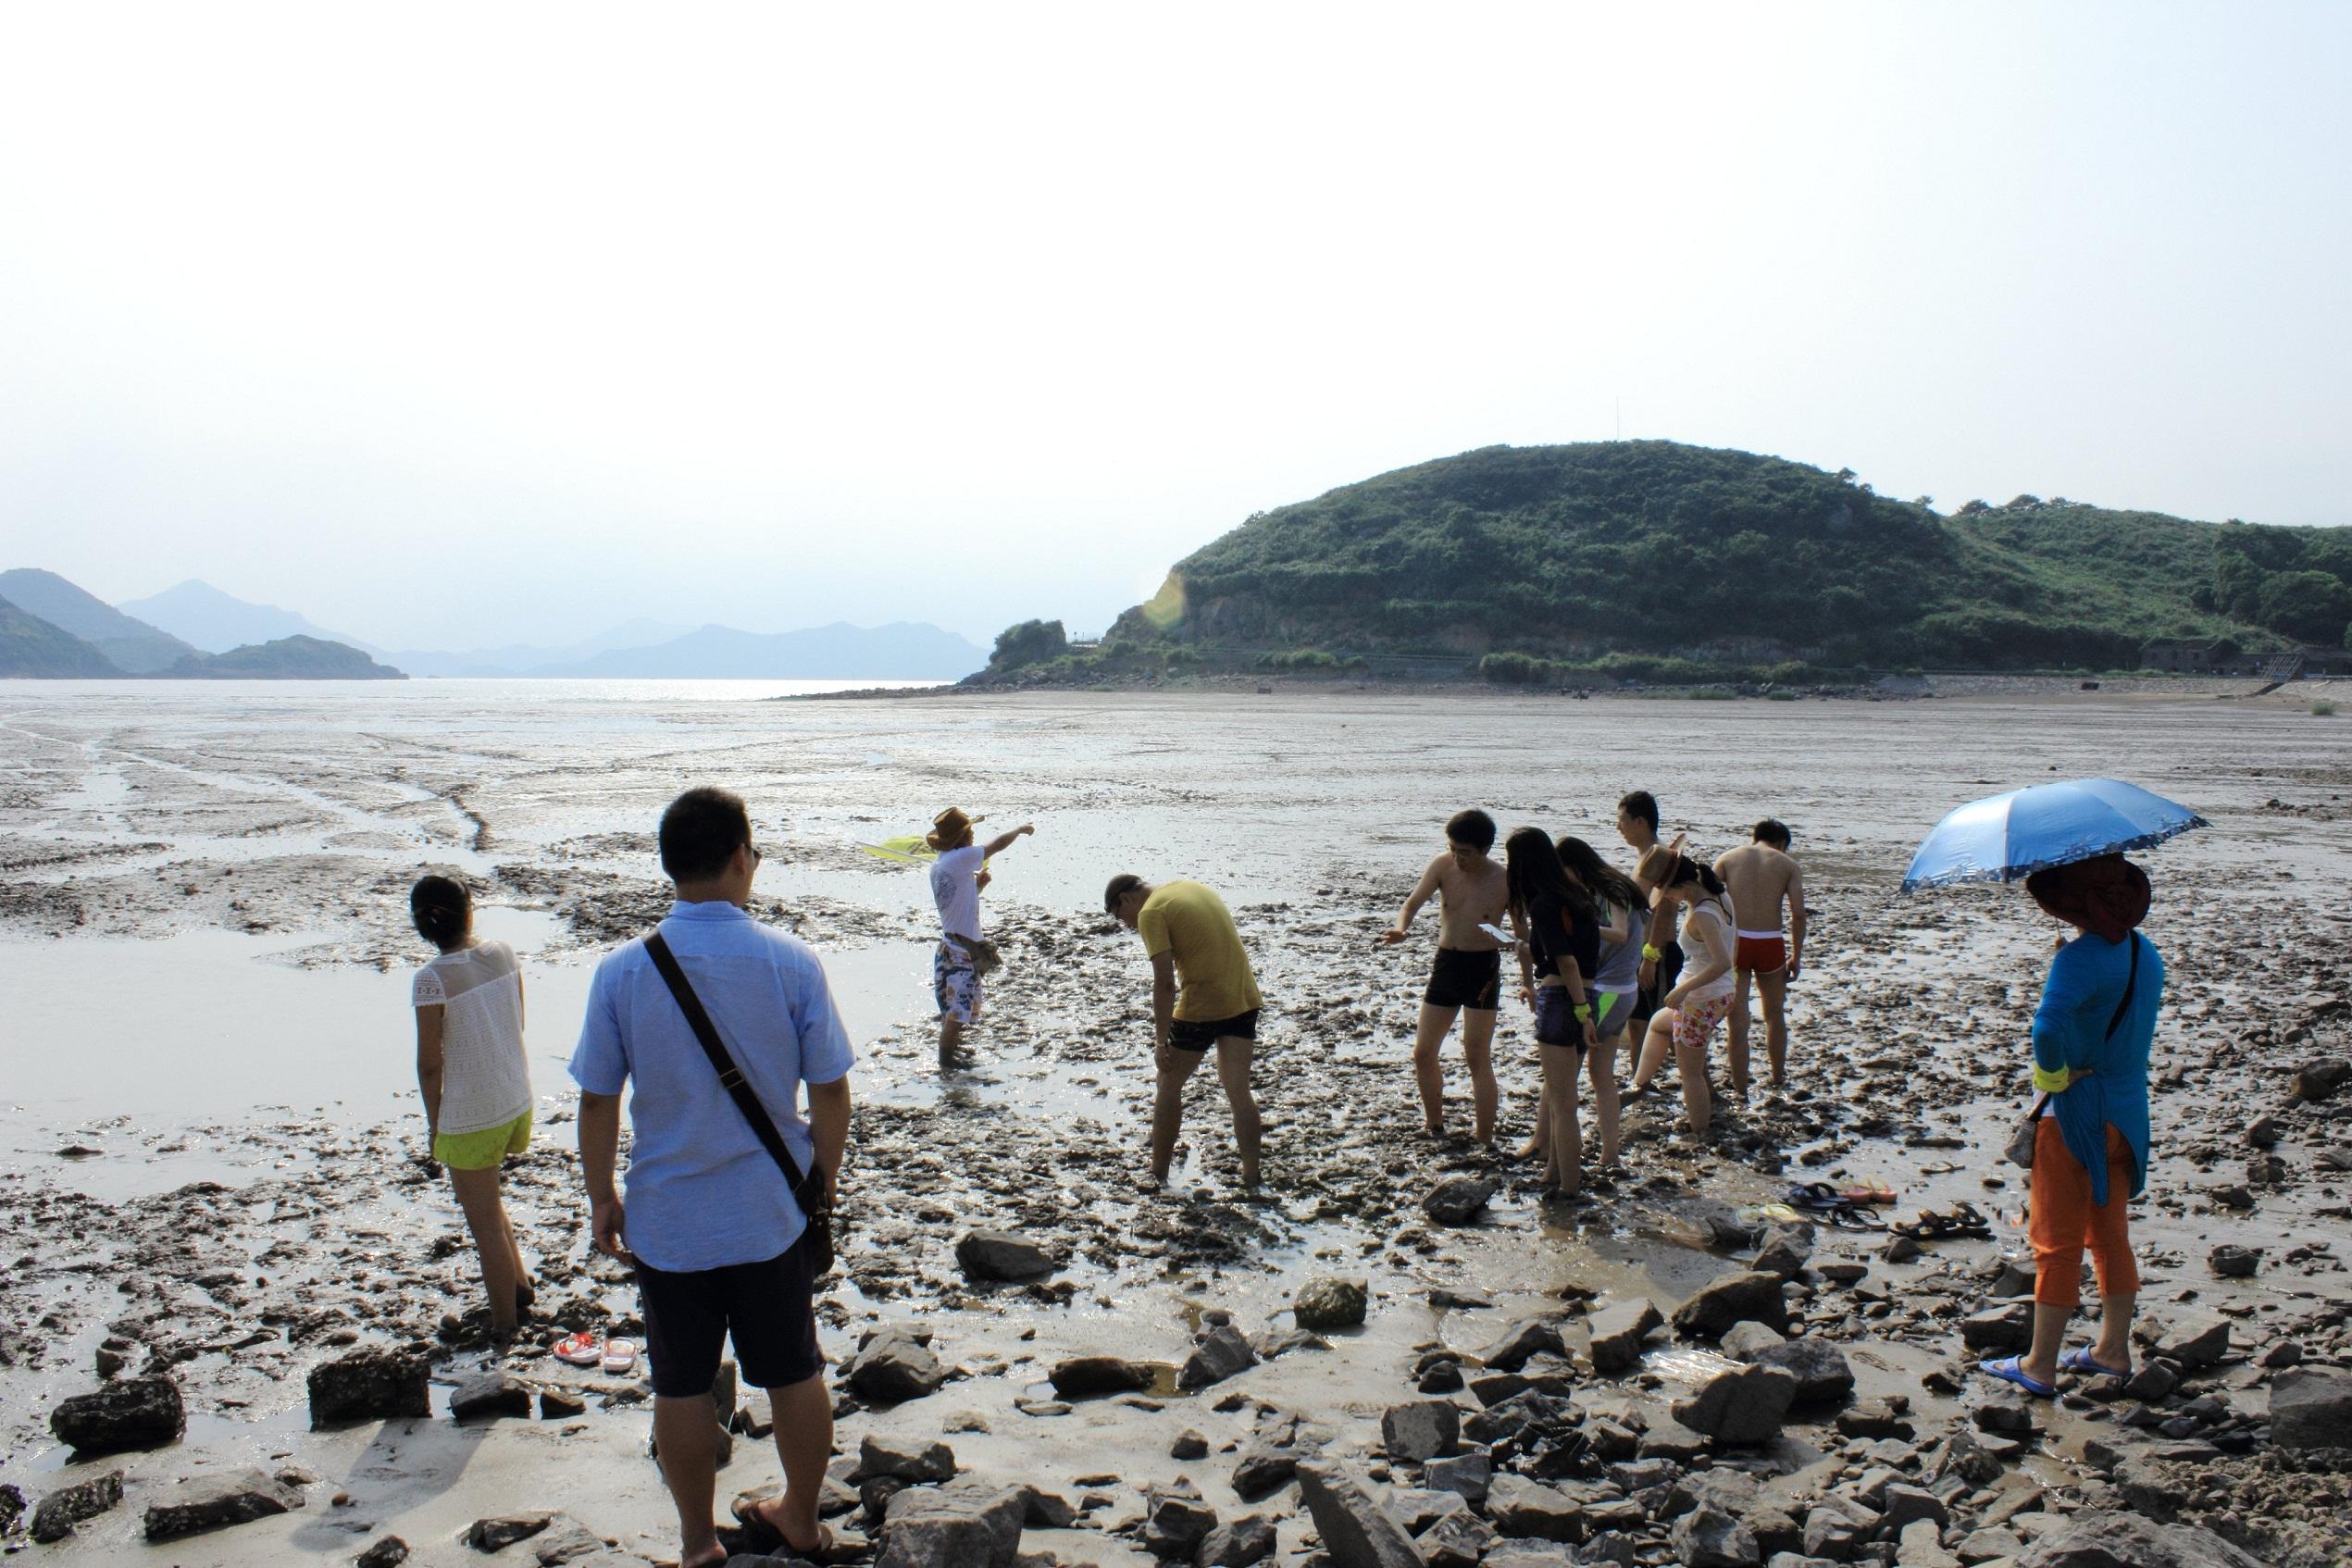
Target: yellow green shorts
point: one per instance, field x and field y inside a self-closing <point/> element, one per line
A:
<point x="482" y="1150"/>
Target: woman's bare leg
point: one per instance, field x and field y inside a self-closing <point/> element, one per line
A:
<point x="1565" y="1169"/>
<point x="1602" y="1064"/>
<point x="494" y="1242"/>
<point x="1699" y="1106"/>
<point x="1654" y="1047"/>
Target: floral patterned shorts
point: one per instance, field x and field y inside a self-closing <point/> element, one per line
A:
<point x="1695" y="1021"/>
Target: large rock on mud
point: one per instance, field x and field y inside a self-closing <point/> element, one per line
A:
<point x="1327" y="1303"/>
<point x="2125" y="1540"/>
<point x="1707" y="1537"/>
<point x="1264" y="1470"/>
<point x="970" y="1524"/>
<point x="490" y="1396"/>
<point x="2323" y="1080"/>
<point x="1002" y="1255"/>
<point x="1223" y="1351"/>
<point x="370" y="1384"/>
<point x="1821" y="1369"/>
<point x="1785" y="1251"/>
<point x="1458" y="1200"/>
<point x="2311" y="1409"/>
<point x="1521" y="1507"/>
<point x="1175" y="1524"/>
<point x="2194" y="1339"/>
<point x="1236" y="1544"/>
<point x="1526" y="1337"/>
<point x="138" y="1412"/>
<point x="384" y="1551"/>
<point x="906" y="1457"/>
<point x="1750" y="1297"/>
<point x="501" y="1530"/>
<point x="1357" y="1533"/>
<point x="1618" y="1330"/>
<point x="235" y="1497"/>
<point x="60" y="1510"/>
<point x="892" y="1367"/>
<point x="1083" y="1378"/>
<point x="1424" y="1430"/>
<point x="1744" y="1404"/>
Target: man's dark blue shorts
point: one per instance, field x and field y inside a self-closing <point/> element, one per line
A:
<point x="765" y="1307"/>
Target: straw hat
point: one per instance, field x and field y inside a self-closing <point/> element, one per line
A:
<point x="948" y="827"/>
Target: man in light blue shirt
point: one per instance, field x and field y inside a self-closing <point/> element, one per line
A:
<point x="709" y="1219"/>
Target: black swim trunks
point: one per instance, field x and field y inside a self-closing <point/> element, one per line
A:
<point x="1186" y="1034"/>
<point x="1670" y="970"/>
<point x="766" y="1308"/>
<point x="1465" y="979"/>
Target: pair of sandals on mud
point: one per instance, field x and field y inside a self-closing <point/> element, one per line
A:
<point x="1854" y="1208"/>
<point x="2011" y="1369"/>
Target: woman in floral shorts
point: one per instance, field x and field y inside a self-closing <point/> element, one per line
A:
<point x="1687" y="1015"/>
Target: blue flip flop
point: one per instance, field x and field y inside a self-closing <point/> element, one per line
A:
<point x="2011" y="1369"/>
<point x="2079" y="1360"/>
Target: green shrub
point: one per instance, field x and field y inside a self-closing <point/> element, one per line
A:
<point x="2323" y="709"/>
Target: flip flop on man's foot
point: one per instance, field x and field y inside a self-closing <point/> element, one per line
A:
<point x="762" y="1532"/>
<point x="2079" y="1360"/>
<point x="2011" y="1369"/>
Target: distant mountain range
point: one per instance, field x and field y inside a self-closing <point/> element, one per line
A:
<point x="50" y="627"/>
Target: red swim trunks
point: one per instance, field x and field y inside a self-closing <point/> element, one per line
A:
<point x="1763" y="954"/>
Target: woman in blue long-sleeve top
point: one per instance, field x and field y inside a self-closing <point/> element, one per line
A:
<point x="2092" y="1035"/>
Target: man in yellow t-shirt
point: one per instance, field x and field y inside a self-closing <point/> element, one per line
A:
<point x="1202" y="994"/>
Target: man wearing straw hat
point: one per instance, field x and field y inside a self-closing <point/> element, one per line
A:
<point x="963" y="957"/>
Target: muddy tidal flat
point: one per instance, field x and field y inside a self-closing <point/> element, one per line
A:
<point x="212" y="1165"/>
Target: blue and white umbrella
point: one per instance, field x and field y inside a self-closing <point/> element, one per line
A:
<point x="2005" y="838"/>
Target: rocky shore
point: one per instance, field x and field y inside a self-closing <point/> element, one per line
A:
<point x="1397" y="1353"/>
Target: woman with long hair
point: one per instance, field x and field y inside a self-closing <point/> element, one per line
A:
<point x="1558" y="946"/>
<point x="2092" y="1035"/>
<point x="474" y="1079"/>
<point x="1624" y="919"/>
<point x="1688" y="1014"/>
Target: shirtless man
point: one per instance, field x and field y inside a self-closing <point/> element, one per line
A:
<point x="1468" y="972"/>
<point x="1762" y="876"/>
<point x="1203" y="995"/>
<point x="1661" y="954"/>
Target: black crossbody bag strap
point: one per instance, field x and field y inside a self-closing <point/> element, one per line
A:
<point x="2115" y="1020"/>
<point x="808" y="1190"/>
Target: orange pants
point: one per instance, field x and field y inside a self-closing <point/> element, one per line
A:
<point x="2065" y="1220"/>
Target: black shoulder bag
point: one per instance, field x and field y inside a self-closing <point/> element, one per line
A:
<point x="808" y="1188"/>
<point x="2020" y="1142"/>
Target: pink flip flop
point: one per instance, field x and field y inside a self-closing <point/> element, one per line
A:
<point x="620" y="1355"/>
<point x="578" y="1349"/>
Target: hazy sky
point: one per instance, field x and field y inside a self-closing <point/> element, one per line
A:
<point x="456" y="325"/>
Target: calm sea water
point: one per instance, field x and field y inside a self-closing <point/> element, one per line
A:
<point x="466" y="692"/>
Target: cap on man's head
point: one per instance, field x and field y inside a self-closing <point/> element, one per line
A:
<point x="948" y="827"/>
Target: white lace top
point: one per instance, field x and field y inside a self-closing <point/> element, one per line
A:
<point x="484" y="1080"/>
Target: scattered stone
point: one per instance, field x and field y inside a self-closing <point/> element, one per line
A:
<point x="1223" y="1351"/>
<point x="138" y="1412"/>
<point x="1002" y="1255"/>
<point x="1822" y="1374"/>
<point x="2264" y="1132"/>
<point x="2103" y="1540"/>
<point x="1922" y="1546"/>
<point x="958" y="1526"/>
<point x="1466" y="1474"/>
<point x="1785" y="1251"/>
<point x="234" y="1497"/>
<point x="560" y="1404"/>
<point x="2200" y="1340"/>
<point x="1521" y="1507"/>
<point x="2234" y="1196"/>
<point x="1458" y="1200"/>
<point x="1356" y="1532"/>
<point x="2232" y="1262"/>
<point x="1743" y="1404"/>
<point x="370" y="1384"/>
<point x="1327" y="1303"/>
<point x="1618" y="1330"/>
<point x="1083" y="1378"/>
<point x="1426" y="1429"/>
<point x="1417" y="1508"/>
<point x="1526" y="1337"/>
<point x="385" y="1551"/>
<point x="1751" y="1297"/>
<point x="1706" y="1537"/>
<point x="1189" y="1445"/>
<point x="893" y="1367"/>
<point x="2310" y="1409"/>
<point x="1176" y="1524"/>
<point x="1899" y="1249"/>
<point x="1238" y="1544"/>
<point x="2315" y="1081"/>
<point x="1261" y="1471"/>
<point x="904" y="1458"/>
<point x="60" y="1510"/>
<point x="1745" y="1338"/>
<point x="1446" y="1297"/>
<point x="500" y="1531"/>
<point x="489" y="1397"/>
<point x="1901" y="1503"/>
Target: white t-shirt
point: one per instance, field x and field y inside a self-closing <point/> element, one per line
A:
<point x="955" y="888"/>
<point x="485" y="1082"/>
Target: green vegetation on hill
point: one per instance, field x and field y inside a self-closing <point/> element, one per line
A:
<point x="288" y="658"/>
<point x="1578" y="556"/>
<point x="30" y="646"/>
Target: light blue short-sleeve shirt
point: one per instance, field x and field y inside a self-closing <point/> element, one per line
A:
<point x="701" y="1192"/>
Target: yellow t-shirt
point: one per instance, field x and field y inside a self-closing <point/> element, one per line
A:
<point x="1191" y="922"/>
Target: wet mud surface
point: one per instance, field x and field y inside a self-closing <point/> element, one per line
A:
<point x="250" y="1219"/>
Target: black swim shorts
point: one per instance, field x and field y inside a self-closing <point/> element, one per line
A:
<point x="1670" y="970"/>
<point x="764" y="1307"/>
<point x="1465" y="979"/>
<point x="1186" y="1034"/>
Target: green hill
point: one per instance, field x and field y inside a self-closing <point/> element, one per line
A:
<point x="29" y="645"/>
<point x="130" y="644"/>
<point x="288" y="658"/>
<point x="1610" y="551"/>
